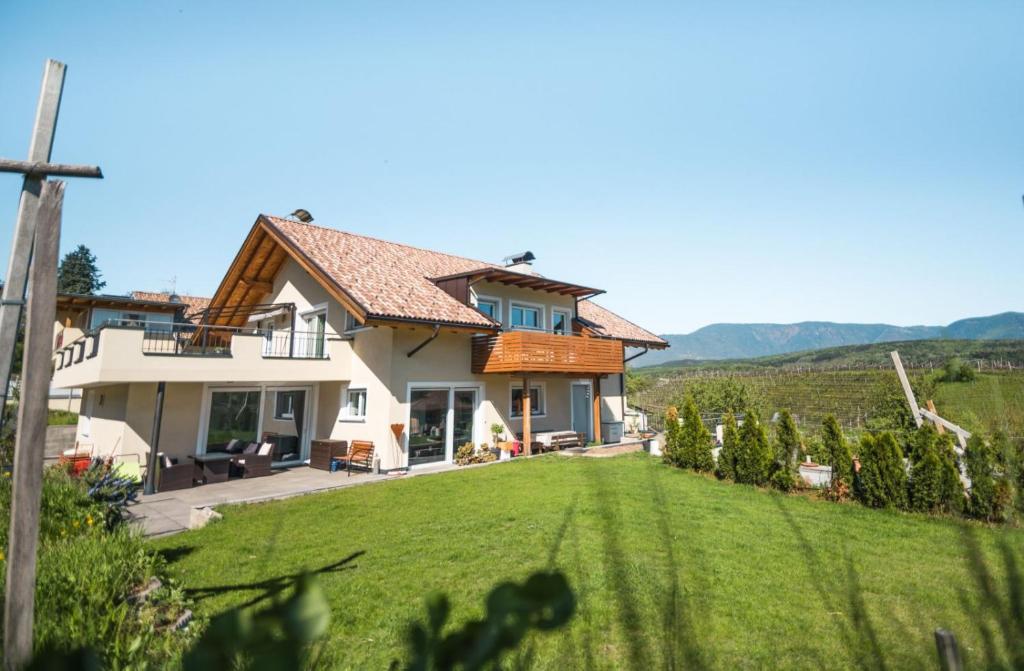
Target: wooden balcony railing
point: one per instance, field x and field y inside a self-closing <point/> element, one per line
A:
<point x="538" y="352"/>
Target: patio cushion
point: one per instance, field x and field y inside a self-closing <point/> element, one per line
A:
<point x="251" y="448"/>
<point x="165" y="461"/>
<point x="235" y="446"/>
<point x="265" y="449"/>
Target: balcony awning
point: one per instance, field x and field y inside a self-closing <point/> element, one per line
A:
<point x="524" y="280"/>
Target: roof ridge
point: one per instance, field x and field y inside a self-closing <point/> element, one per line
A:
<point x="387" y="242"/>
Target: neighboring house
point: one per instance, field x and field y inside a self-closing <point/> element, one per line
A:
<point x="317" y="333"/>
<point x="79" y="313"/>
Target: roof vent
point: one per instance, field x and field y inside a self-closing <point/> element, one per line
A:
<point x="302" y="215"/>
<point x="519" y="259"/>
<point x="174" y="298"/>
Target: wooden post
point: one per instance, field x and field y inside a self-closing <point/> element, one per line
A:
<point x="27" y="485"/>
<point x="16" y="282"/>
<point x="596" y="413"/>
<point x="527" y="417"/>
<point x="949" y="651"/>
<point x="152" y="463"/>
<point x="907" y="390"/>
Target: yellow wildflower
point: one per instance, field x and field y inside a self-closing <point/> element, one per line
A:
<point x="88" y="520"/>
<point x="74" y="524"/>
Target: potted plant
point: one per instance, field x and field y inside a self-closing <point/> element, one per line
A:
<point x="500" y="447"/>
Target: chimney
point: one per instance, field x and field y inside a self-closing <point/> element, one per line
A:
<point x="520" y="263"/>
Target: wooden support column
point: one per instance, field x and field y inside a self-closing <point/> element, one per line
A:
<point x="154" y="440"/>
<point x="596" y="395"/>
<point x="527" y="417"/>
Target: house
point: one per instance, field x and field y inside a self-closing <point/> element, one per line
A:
<point x="316" y="333"/>
<point x="78" y="313"/>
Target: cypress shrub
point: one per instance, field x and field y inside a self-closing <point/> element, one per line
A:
<point x="991" y="493"/>
<point x="695" y="440"/>
<point x="754" y="456"/>
<point x="952" y="487"/>
<point x="787" y="440"/>
<point x="726" y="468"/>
<point x="927" y="477"/>
<point x="837" y="451"/>
<point x="882" y="481"/>
<point x="671" y="435"/>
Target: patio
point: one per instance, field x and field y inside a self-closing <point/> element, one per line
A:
<point x="169" y="512"/>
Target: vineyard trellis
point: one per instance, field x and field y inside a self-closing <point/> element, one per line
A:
<point x="854" y="395"/>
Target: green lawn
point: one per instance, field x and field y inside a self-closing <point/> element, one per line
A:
<point x="670" y="569"/>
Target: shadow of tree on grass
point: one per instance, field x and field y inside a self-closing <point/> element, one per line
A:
<point x="271" y="587"/>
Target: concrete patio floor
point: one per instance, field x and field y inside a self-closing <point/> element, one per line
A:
<point x="171" y="512"/>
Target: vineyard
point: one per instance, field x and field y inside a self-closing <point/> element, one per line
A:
<point x="859" y="399"/>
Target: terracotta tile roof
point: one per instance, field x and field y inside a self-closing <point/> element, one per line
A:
<point x="192" y="303"/>
<point x="610" y="324"/>
<point x="394" y="280"/>
<point x="388" y="279"/>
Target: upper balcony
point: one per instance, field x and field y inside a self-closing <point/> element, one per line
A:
<point x="540" y="352"/>
<point x="114" y="354"/>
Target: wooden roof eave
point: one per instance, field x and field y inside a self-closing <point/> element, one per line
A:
<point x="239" y="289"/>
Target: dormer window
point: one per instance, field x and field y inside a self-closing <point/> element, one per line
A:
<point x="526" y="316"/>
<point x="489" y="307"/>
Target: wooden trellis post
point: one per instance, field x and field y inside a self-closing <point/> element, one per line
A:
<point x="33" y="263"/>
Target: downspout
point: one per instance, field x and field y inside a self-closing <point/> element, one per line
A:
<point x="430" y="338"/>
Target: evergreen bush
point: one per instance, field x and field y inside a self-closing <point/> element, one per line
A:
<point x="882" y="480"/>
<point x="991" y="492"/>
<point x="694" y="440"/>
<point x="726" y="467"/>
<point x="787" y="441"/>
<point x="669" y="455"/>
<point x="934" y="476"/>
<point x="754" y="456"/>
<point x="836" y="450"/>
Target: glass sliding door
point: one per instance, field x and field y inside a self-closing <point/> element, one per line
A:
<point x="285" y="423"/>
<point x="428" y="425"/>
<point x="234" y="414"/>
<point x="465" y="409"/>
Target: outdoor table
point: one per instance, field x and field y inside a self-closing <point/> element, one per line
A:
<point x="216" y="465"/>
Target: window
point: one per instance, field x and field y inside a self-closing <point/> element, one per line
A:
<point x="525" y="317"/>
<point x="560" y="322"/>
<point x="351" y="323"/>
<point x="355" y="404"/>
<point x="536" y="401"/>
<point x="489" y="307"/>
<point x="284" y="404"/>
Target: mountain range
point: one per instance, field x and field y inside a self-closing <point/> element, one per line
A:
<point x="743" y="341"/>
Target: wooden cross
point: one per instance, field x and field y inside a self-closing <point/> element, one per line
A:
<point x="33" y="259"/>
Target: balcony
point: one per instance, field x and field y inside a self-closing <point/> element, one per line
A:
<point x="540" y="352"/>
<point x="115" y="354"/>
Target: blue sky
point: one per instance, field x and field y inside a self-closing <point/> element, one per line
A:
<point x="738" y="162"/>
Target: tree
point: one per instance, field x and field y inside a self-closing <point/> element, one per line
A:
<point x="837" y="450"/>
<point x="956" y="370"/>
<point x="730" y="445"/>
<point x="695" y="440"/>
<point x="754" y="456"/>
<point x="671" y="435"/>
<point x="989" y="489"/>
<point x="787" y="440"/>
<point x="78" y="273"/>
<point x="934" y="479"/>
<point x="882" y="481"/>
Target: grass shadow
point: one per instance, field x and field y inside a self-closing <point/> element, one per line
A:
<point x="997" y="612"/>
<point x="271" y="587"/>
<point x="856" y="629"/>
<point x="172" y="555"/>
<point x="682" y="649"/>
